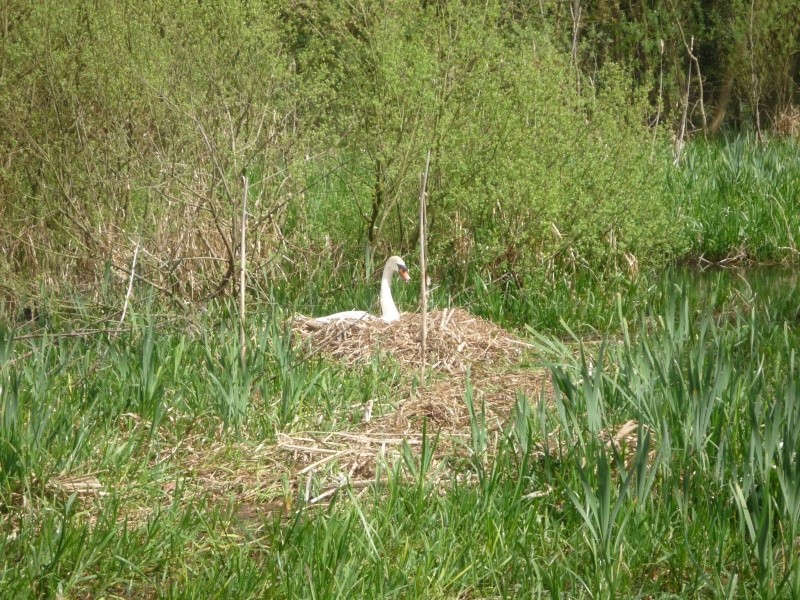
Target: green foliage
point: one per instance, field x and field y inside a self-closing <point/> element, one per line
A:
<point x="132" y="123"/>
<point x="127" y="129"/>
<point x="745" y="52"/>
<point x="129" y="126"/>
<point x="762" y="58"/>
<point x="526" y="171"/>
<point x="740" y="198"/>
<point x="665" y="463"/>
<point x="716" y="397"/>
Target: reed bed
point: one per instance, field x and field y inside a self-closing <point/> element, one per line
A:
<point x="660" y="460"/>
<point x="740" y="197"/>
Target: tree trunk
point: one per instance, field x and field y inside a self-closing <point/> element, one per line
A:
<point x="722" y="101"/>
<point x="377" y="203"/>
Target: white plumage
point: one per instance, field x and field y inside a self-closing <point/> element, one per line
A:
<point x="389" y="312"/>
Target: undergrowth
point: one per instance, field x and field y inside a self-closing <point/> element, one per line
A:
<point x="140" y="461"/>
<point x="740" y="197"/>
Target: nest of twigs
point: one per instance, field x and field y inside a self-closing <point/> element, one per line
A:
<point x="442" y="403"/>
<point x="460" y="347"/>
<point x="461" y="350"/>
<point x="455" y="340"/>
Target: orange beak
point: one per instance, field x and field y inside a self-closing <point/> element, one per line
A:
<point x="403" y="271"/>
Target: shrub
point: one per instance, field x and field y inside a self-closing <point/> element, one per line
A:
<point x="528" y="169"/>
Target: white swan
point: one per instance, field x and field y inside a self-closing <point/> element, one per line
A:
<point x="389" y="312"/>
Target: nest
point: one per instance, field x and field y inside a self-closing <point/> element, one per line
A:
<point x="461" y="349"/>
<point x="442" y="403"/>
<point x="325" y="462"/>
<point x="455" y="340"/>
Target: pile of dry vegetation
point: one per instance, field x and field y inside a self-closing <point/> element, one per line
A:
<point x="455" y="340"/>
<point x="461" y="351"/>
<point x="459" y="347"/>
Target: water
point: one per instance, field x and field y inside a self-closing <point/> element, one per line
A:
<point x="770" y="292"/>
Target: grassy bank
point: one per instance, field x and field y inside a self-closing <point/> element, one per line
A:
<point x="740" y="199"/>
<point x="144" y="462"/>
<point x="734" y="202"/>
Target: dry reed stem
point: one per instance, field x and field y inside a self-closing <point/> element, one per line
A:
<point x="423" y="271"/>
<point x="243" y="272"/>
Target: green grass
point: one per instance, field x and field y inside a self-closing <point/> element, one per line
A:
<point x="585" y="301"/>
<point x="700" y="499"/>
<point x="740" y="198"/>
<point x="717" y="500"/>
<point x="193" y="498"/>
<point x="121" y="409"/>
<point x="156" y="413"/>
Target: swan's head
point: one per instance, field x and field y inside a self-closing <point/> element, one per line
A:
<point x="399" y="266"/>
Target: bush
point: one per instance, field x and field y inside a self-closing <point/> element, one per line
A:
<point x="132" y="125"/>
<point x="528" y="171"/>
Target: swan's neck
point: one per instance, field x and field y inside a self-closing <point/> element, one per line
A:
<point x="389" y="311"/>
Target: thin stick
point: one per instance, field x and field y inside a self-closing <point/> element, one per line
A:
<point x="680" y="141"/>
<point x="243" y="269"/>
<point x="753" y="75"/>
<point x="423" y="270"/>
<point x="690" y="49"/>
<point x="660" y="96"/>
<point x="72" y="334"/>
<point x="575" y="10"/>
<point x="130" y="284"/>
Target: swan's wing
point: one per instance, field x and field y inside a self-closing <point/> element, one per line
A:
<point x="348" y="315"/>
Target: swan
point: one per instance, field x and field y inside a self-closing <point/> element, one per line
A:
<point x="389" y="312"/>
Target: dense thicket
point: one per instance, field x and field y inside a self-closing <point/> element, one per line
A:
<point x="130" y="124"/>
<point x="737" y="59"/>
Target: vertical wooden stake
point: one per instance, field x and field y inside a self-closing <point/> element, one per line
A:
<point x="423" y="270"/>
<point x="243" y="270"/>
<point x="679" y="142"/>
<point x="130" y="284"/>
